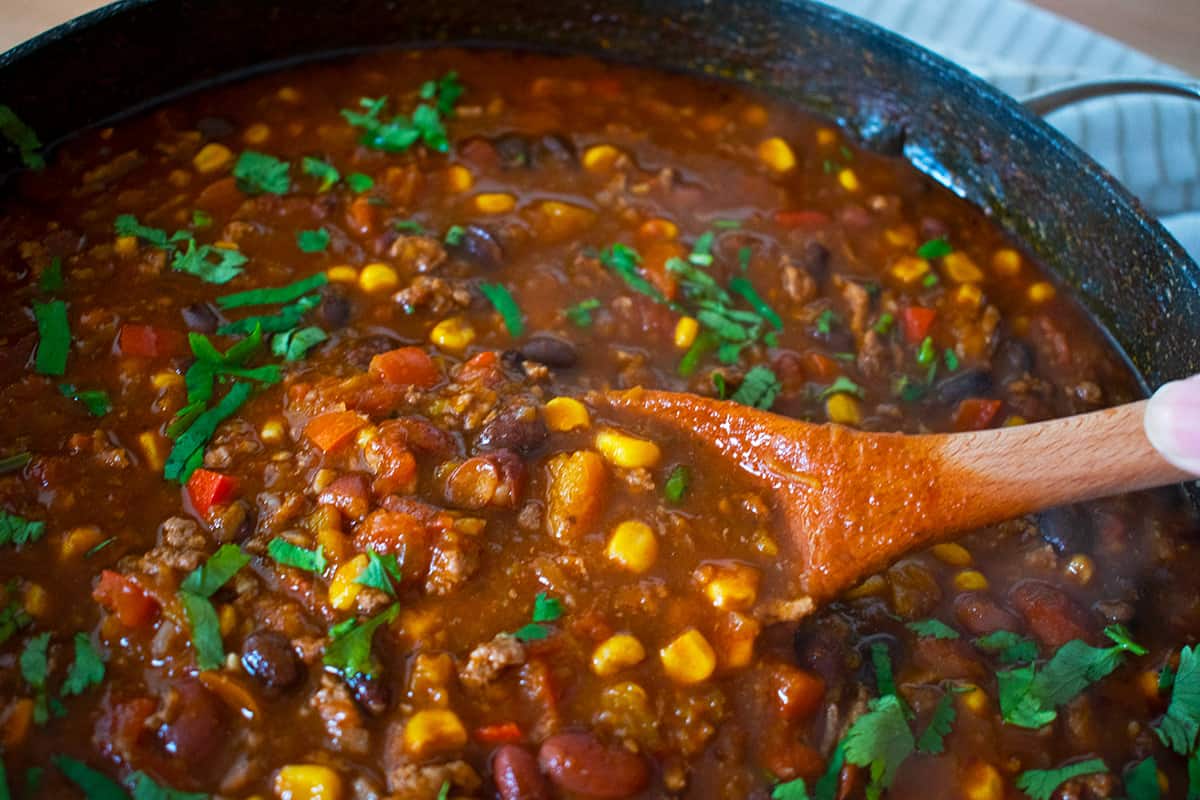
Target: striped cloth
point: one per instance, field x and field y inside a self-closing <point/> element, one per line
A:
<point x="1151" y="144"/>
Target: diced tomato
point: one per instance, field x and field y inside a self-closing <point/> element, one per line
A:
<point x="499" y="733"/>
<point x="360" y="217"/>
<point x="482" y="368"/>
<point x="123" y="597"/>
<point x="654" y="266"/>
<point x="798" y="693"/>
<point x="406" y="366"/>
<point x="206" y="489"/>
<point x="820" y="368"/>
<point x="916" y="322"/>
<point x="801" y="219"/>
<point x="334" y="429"/>
<point x="148" y="341"/>
<point x="975" y="413"/>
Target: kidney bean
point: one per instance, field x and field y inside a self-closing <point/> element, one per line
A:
<point x="479" y="247"/>
<point x="951" y="659"/>
<point x="551" y="351"/>
<point x="982" y="615"/>
<point x="519" y="429"/>
<point x="1052" y="616"/>
<point x="201" y="317"/>
<point x="555" y="148"/>
<point x="578" y="762"/>
<point x="1067" y="529"/>
<point x="267" y="656"/>
<point x="349" y="493"/>
<point x="516" y="774"/>
<point x="194" y="730"/>
<point x="970" y="382"/>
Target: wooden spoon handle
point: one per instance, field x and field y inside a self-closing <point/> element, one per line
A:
<point x="1068" y="460"/>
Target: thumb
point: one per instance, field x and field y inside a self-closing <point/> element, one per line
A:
<point x="1173" y="423"/>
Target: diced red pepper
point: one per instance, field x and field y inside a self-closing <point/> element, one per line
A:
<point x="333" y="429"/>
<point x="123" y="597"/>
<point x="406" y="366"/>
<point x="499" y="733"/>
<point x="801" y="219"/>
<point x="916" y="322"/>
<point x="148" y="341"/>
<point x="975" y="413"/>
<point x="820" y="368"/>
<point x="206" y="489"/>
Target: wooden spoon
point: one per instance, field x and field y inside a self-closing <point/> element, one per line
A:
<point x="854" y="502"/>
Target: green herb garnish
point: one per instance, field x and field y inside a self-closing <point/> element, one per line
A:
<point x="54" y="337"/>
<point x="94" y="784"/>
<point x="201" y="219"/>
<point x="259" y="173"/>
<point x="502" y="300"/>
<point x="1011" y="648"/>
<point x="455" y="234"/>
<point x="759" y="388"/>
<point x="294" y="345"/>
<point x="933" y="628"/>
<point x="286" y="318"/>
<point x="827" y="319"/>
<point x="935" y="248"/>
<point x="843" y="385"/>
<point x="932" y="741"/>
<point x="881" y="660"/>
<point x="35" y="669"/>
<point x="880" y="740"/>
<point x="273" y="295"/>
<point x="209" y="263"/>
<point x="291" y="555"/>
<point x="581" y="312"/>
<point x="677" y="484"/>
<point x="17" y="530"/>
<point x="701" y="254"/>
<point x="144" y="788"/>
<point x="1141" y="780"/>
<point x="382" y="572"/>
<point x="189" y="447"/>
<point x="1180" y="725"/>
<point x="1040" y="784"/>
<point x="925" y="353"/>
<point x="950" y="359"/>
<point x="742" y="286"/>
<point x="96" y="401"/>
<point x="412" y="226"/>
<point x="884" y="324"/>
<point x="14" y="462"/>
<point x="22" y="137"/>
<point x="349" y="647"/>
<point x="321" y="170"/>
<point x="359" y="183"/>
<point x="401" y="132"/>
<point x="313" y="241"/>
<point x="624" y="261"/>
<point x="194" y="593"/>
<point x="86" y="670"/>
<point x="545" y="609"/>
<point x="51" y="279"/>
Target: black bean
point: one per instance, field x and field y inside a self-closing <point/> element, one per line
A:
<point x="1013" y="359"/>
<point x="201" y="317"/>
<point x="267" y="656"/>
<point x="815" y="261"/>
<point x="556" y="148"/>
<point x="370" y="693"/>
<point x="514" y="150"/>
<point x="551" y="351"/>
<point x="820" y="648"/>
<point x="368" y="347"/>
<point x="836" y="337"/>
<point x="215" y="127"/>
<point x="336" y="309"/>
<point x="968" y="382"/>
<point x="1068" y="529"/>
<point x="479" y="247"/>
<point x="520" y="429"/>
<point x="196" y="731"/>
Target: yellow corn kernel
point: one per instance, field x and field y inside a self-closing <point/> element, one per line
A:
<point x="625" y="451"/>
<point x="974" y="699"/>
<point x="36" y="600"/>
<point x="332" y="543"/>
<point x="658" y="230"/>
<point x="1014" y="421"/>
<point x="79" y="540"/>
<point x="256" y="133"/>
<point x="953" y="554"/>
<point x="453" y="334"/>
<point x="968" y="295"/>
<point x="732" y="587"/>
<point x="910" y="269"/>
<point x="166" y="379"/>
<point x="342" y="273"/>
<point x="981" y="781"/>
<point x="843" y="409"/>
<point x="324" y="517"/>
<point x="826" y="137"/>
<point x="342" y="589"/>
<point x="212" y="157"/>
<point x="1081" y="568"/>
<point x="227" y="619"/>
<point x="18" y="719"/>
<point x="307" y="781"/>
<point x="736" y="640"/>
<point x="970" y="580"/>
<point x="378" y="278"/>
<point x="459" y="178"/>
<point x="901" y="236"/>
<point x="1041" y="291"/>
<point x="289" y="94"/>
<point x="848" y="180"/>
<point x="1147" y="682"/>
<point x="566" y="414"/>
<point x="179" y="178"/>
<point x="616" y="653"/>
<point x="777" y="155"/>
<point x="961" y="268"/>
<point x="154" y="449"/>
<point x="633" y="545"/>
<point x="495" y="203"/>
<point x="689" y="658"/>
<point x="226" y="245"/>
<point x="871" y="587"/>
<point x="433" y="731"/>
<point x="711" y="123"/>
<point x="685" y="332"/>
<point x="600" y="157"/>
<point x="754" y="115"/>
<point x="272" y="431"/>
<point x="126" y="246"/>
<point x="1006" y="262"/>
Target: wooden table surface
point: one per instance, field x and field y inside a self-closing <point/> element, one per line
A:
<point x="1166" y="29"/>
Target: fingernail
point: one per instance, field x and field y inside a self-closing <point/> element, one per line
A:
<point x="1173" y="423"/>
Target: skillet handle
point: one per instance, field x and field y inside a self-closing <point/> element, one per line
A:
<point x="1056" y="97"/>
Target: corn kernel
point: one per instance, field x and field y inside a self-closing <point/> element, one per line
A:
<point x="324" y="517"/>
<point x="981" y="781"/>
<point x="433" y="731"/>
<point x="179" y="178"/>
<point x="378" y="278"/>
<point x="777" y="155"/>
<point x="495" y="203"/>
<point x="974" y="700"/>
<point x="342" y="274"/>
<point x="559" y="221"/>
<point x="616" y="653"/>
<point x="459" y="178"/>
<point x="600" y="158"/>
<point x="658" y="230"/>
<point x="625" y="451"/>
<point x="272" y="431"/>
<point x="848" y="180"/>
<point x="754" y="115"/>
<point x="970" y="580"/>
<point x="566" y="414"/>
<point x="1147" y="682"/>
<point x="154" y="449"/>
<point x="307" y="782"/>
<point x="685" y="332"/>
<point x="961" y="268"/>
<point x="871" y="587"/>
<point x="1081" y="568"/>
<point x="633" y="545"/>
<point x="166" y="379"/>
<point x="36" y="600"/>
<point x="1014" y="421"/>
<point x="453" y="334"/>
<point x="826" y="137"/>
<point x="342" y="589"/>
<point x="227" y="619"/>
<point x="902" y="236"/>
<point x="969" y="295"/>
<point x="212" y="157"/>
<point x="18" y="719"/>
<point x="256" y="133"/>
<point x="689" y="658"/>
<point x="952" y="553"/>
<point x="1041" y="291"/>
<point x="79" y="540"/>
<point x="910" y="269"/>
<point x="1006" y="262"/>
<point x="126" y="246"/>
<point x="730" y="586"/>
<point x="289" y="94"/>
<point x="711" y="123"/>
<point x="332" y="543"/>
<point x="843" y="409"/>
<point x="736" y="638"/>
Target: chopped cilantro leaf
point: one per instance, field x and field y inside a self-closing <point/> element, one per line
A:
<point x="759" y="388"/>
<point x="1181" y="723"/>
<point x="86" y="670"/>
<point x="259" y="173"/>
<point x="930" y="280"/>
<point x="742" y="286"/>
<point x="1141" y="780"/>
<point x="274" y="294"/>
<point x="677" y="484"/>
<point x="13" y="618"/>
<point x="701" y="254"/>
<point x="843" y="385"/>
<point x="909" y="389"/>
<point x="96" y="548"/>
<point x="926" y="354"/>
<point x="1193" y="771"/>
<point x="206" y="630"/>
<point x="1040" y="784"/>
<point x="94" y="784"/>
<point x="14" y="462"/>
<point x="359" y="183"/>
<point x="349" y="647"/>
<point x="322" y="170"/>
<point x="291" y="555"/>
<point x="502" y="300"/>
<point x="96" y="401"/>
<point x="726" y="224"/>
<point x="1011" y="648"/>
<point x="743" y="257"/>
<point x="285" y="318"/>
<point x="294" y="345"/>
<point x="933" y="628"/>
<point x="624" y="261"/>
<point x="18" y="530"/>
<point x="935" y="248"/>
<point x="128" y="225"/>
<point x="880" y="740"/>
<point x="455" y="234"/>
<point x="198" y="260"/>
<point x="718" y="382"/>
<point x="581" y="312"/>
<point x="705" y="341"/>
<point x="827" y="319"/>
<point x="54" y="337"/>
<point x="144" y="788"/>
<point x="531" y="632"/>
<point x="885" y="322"/>
<point x="444" y="791"/>
<point x="182" y="461"/>
<point x="22" y="137"/>
<point x="950" y="359"/>
<point x="794" y="789"/>
<point x="546" y="608"/>
<point x="214" y="573"/>
<point x="412" y="226"/>
<point x="313" y="241"/>
<point x="51" y="279"/>
<point x="881" y="660"/>
<point x="380" y="572"/>
<point x="35" y="668"/>
<point x="932" y="741"/>
<point x="201" y="219"/>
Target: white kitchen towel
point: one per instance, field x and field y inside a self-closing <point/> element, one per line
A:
<point x="1151" y="144"/>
